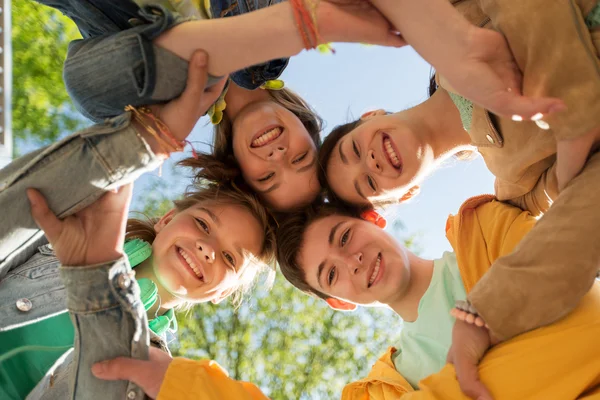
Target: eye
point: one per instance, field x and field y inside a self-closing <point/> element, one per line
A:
<point x="266" y="178"/>
<point x="355" y="148"/>
<point x="229" y="259"/>
<point x="371" y="183"/>
<point x="344" y="238"/>
<point x="300" y="158"/>
<point x="331" y="276"/>
<point x="203" y="225"/>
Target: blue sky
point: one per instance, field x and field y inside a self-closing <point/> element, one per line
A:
<point x="354" y="80"/>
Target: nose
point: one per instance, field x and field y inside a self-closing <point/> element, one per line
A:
<point x="356" y="262"/>
<point x="372" y="163"/>
<point x="277" y="153"/>
<point x="206" y="251"/>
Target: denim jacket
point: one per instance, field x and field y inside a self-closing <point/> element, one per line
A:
<point x="71" y="174"/>
<point x="106" y="310"/>
<point x="116" y="63"/>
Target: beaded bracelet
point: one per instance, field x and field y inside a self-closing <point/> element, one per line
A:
<point x="306" y="22"/>
<point x="143" y="114"/>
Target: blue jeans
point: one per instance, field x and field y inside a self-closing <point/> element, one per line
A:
<point x="116" y="64"/>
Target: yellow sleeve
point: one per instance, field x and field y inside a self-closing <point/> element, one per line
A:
<point x="503" y="226"/>
<point x="382" y="383"/>
<point x="205" y="379"/>
<point x="557" y="54"/>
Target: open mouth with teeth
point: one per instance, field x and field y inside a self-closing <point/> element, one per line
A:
<point x="376" y="270"/>
<point x="189" y="263"/>
<point x="266" y="137"/>
<point x="391" y="153"/>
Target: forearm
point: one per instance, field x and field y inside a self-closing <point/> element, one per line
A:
<point x="432" y="27"/>
<point x="71" y="174"/>
<point x="552" y="268"/>
<point x="237" y="42"/>
<point x="110" y="321"/>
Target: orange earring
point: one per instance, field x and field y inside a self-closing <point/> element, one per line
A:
<point x="374" y="217"/>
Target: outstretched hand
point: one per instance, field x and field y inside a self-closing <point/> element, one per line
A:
<point x="469" y="344"/>
<point x="489" y="76"/>
<point x="93" y="235"/>
<point x="148" y="375"/>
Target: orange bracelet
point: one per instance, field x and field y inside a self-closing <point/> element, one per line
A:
<point x="143" y="113"/>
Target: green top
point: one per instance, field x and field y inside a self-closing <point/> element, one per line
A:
<point x="425" y="342"/>
<point x="465" y="107"/>
<point x="28" y="352"/>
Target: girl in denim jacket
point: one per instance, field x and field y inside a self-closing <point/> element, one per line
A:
<point x="208" y="247"/>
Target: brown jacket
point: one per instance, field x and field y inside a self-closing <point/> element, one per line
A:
<point x="558" y="57"/>
<point x="554" y="266"/>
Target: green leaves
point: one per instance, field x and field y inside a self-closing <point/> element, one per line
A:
<point x="42" y="111"/>
<point x="291" y="345"/>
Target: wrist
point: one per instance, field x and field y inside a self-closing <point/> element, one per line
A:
<point x="158" y="150"/>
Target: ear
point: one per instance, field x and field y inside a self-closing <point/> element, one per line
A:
<point x="222" y="296"/>
<point x="374" y="217"/>
<point x="371" y="114"/>
<point x="412" y="192"/>
<point x="340" y="305"/>
<point x="164" y="220"/>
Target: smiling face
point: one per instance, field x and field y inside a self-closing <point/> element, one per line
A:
<point x="276" y="154"/>
<point x="354" y="260"/>
<point x="199" y="253"/>
<point x="382" y="158"/>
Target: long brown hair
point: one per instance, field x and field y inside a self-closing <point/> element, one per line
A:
<point x="223" y="191"/>
<point x="221" y="163"/>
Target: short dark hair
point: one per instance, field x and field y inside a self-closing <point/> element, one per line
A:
<point x="325" y="151"/>
<point x="290" y="240"/>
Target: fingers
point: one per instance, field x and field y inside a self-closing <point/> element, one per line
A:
<point x="197" y="76"/>
<point x="210" y="96"/>
<point x="129" y="369"/>
<point x="395" y="39"/>
<point x="121" y="368"/>
<point x="521" y="108"/>
<point x="43" y="216"/>
<point x="468" y="376"/>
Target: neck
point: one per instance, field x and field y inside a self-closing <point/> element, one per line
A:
<point x="237" y="98"/>
<point x="407" y="305"/>
<point x="437" y="122"/>
<point x="167" y="300"/>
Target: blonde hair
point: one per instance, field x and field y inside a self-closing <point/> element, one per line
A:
<point x="222" y="193"/>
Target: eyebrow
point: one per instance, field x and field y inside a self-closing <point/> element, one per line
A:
<point x="240" y="252"/>
<point x="211" y="214"/>
<point x="322" y="265"/>
<point x="357" y="187"/>
<point x="269" y="190"/>
<point x="342" y="155"/>
<point x="308" y="166"/>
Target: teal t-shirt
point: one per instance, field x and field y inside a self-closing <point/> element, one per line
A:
<point x="424" y="343"/>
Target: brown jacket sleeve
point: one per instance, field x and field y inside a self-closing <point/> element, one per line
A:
<point x="557" y="54"/>
<point x="552" y="268"/>
<point x="539" y="199"/>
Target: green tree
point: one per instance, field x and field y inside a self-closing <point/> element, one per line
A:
<point x="289" y="344"/>
<point x="42" y="110"/>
